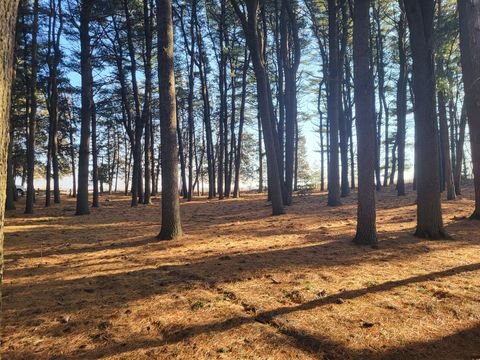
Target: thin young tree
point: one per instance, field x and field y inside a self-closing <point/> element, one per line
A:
<point x="53" y="60"/>
<point x="333" y="104"/>
<point x="290" y="50"/>
<point x="171" y="223"/>
<point x="147" y="111"/>
<point x="469" y="15"/>
<point x="365" y="118"/>
<point x="32" y="120"/>
<point x="420" y="16"/>
<point x="401" y="99"/>
<point x="457" y="174"/>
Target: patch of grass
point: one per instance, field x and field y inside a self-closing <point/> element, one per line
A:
<point x="200" y="304"/>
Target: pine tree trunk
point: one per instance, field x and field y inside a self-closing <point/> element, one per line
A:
<point x="95" y="180"/>
<point x="238" y="155"/>
<point x="11" y="189"/>
<point x="365" y="118"/>
<point x="137" y="178"/>
<point x="469" y="14"/>
<point x="401" y="101"/>
<point x="333" y="105"/>
<point x="181" y="155"/>
<point x="342" y="119"/>
<point x="206" y="113"/>
<point x="171" y="223"/>
<point x="264" y="101"/>
<point x="8" y="13"/>
<point x="71" y="132"/>
<point x="291" y="60"/>
<point x="429" y="211"/>
<point x="87" y="107"/>
<point x="146" y="113"/>
<point x="457" y="176"/>
<point x="445" y="147"/>
<point x="32" y="115"/>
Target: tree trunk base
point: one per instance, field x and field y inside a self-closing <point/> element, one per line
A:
<point x="439" y="234"/>
<point x="278" y="212"/>
<point x="169" y="235"/>
<point x="475" y="215"/>
<point x="370" y="240"/>
<point x="334" y="203"/>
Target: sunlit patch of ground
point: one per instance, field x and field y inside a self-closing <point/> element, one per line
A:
<point x="241" y="284"/>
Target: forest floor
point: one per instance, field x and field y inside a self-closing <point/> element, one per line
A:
<point x="240" y="284"/>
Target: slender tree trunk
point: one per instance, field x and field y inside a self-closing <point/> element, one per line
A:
<point x="233" y="105"/>
<point x="183" y="168"/>
<point x="54" y="105"/>
<point x="223" y="105"/>
<point x="264" y="102"/>
<point x="260" y="154"/>
<point x="342" y="118"/>
<point x="206" y="112"/>
<point x="33" y="115"/>
<point x="95" y="180"/>
<point x="146" y="113"/>
<point x="290" y="49"/>
<point x="87" y="107"/>
<point x="401" y="100"/>
<point x="171" y="223"/>
<point x="71" y="134"/>
<point x="333" y="104"/>
<point x="445" y="147"/>
<point x="137" y="188"/>
<point x="459" y="152"/>
<point x="238" y="155"/>
<point x="469" y="14"/>
<point x="11" y="189"/>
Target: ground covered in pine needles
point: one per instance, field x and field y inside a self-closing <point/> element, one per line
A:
<point x="240" y="284"/>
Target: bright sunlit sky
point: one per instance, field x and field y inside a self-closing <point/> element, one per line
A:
<point x="307" y="106"/>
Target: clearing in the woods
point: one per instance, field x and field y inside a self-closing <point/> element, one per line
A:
<point x="240" y="284"/>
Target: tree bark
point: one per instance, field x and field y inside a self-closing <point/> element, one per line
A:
<point x="445" y="147"/>
<point x="429" y="211"/>
<point x="365" y="118"/>
<point x="87" y="108"/>
<point x="290" y="49"/>
<point x="333" y="104"/>
<point x="32" y="115"/>
<point x="469" y="15"/>
<point x="147" y="112"/>
<point x="255" y="43"/>
<point x="401" y="101"/>
<point x="457" y="176"/>
<point x="8" y="13"/>
<point x="238" y="155"/>
<point x="137" y="188"/>
<point x="171" y="224"/>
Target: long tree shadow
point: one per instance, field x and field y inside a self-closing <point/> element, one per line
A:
<point x="464" y="343"/>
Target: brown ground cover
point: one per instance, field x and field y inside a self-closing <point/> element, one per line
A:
<point x="241" y="284"/>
